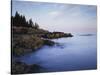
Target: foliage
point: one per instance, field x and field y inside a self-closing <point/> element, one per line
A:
<point x="36" y="26"/>
<point x="20" y="21"/>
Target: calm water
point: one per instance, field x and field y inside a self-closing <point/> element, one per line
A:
<point x="76" y="53"/>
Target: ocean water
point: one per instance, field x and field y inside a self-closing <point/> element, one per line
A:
<point x="75" y="53"/>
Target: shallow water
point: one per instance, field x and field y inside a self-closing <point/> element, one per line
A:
<point x="76" y="53"/>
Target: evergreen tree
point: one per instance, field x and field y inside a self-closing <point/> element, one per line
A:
<point x="30" y="22"/>
<point x="36" y="26"/>
<point x="17" y="19"/>
<point x="20" y="20"/>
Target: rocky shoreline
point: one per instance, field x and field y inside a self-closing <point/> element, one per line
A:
<point x="26" y="43"/>
<point x="22" y="68"/>
<point x="23" y="44"/>
<point x="27" y="37"/>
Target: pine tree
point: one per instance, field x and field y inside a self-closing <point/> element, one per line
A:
<point x="36" y="26"/>
<point x="30" y="22"/>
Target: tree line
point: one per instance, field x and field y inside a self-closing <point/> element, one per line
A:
<point x="20" y="21"/>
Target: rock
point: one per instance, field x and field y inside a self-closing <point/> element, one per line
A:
<point x="49" y="42"/>
<point x="23" y="44"/>
<point x="22" y="68"/>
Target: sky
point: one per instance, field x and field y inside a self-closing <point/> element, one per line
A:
<point x="59" y="17"/>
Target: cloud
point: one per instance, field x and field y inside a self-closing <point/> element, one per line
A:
<point x="56" y="16"/>
<point x="74" y="18"/>
<point x="54" y="13"/>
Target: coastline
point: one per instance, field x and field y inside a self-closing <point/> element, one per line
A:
<point x="29" y="37"/>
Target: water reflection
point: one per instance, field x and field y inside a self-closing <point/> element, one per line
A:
<point x="77" y="53"/>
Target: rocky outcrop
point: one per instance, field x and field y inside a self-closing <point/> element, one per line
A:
<point x="22" y="68"/>
<point x="22" y="44"/>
